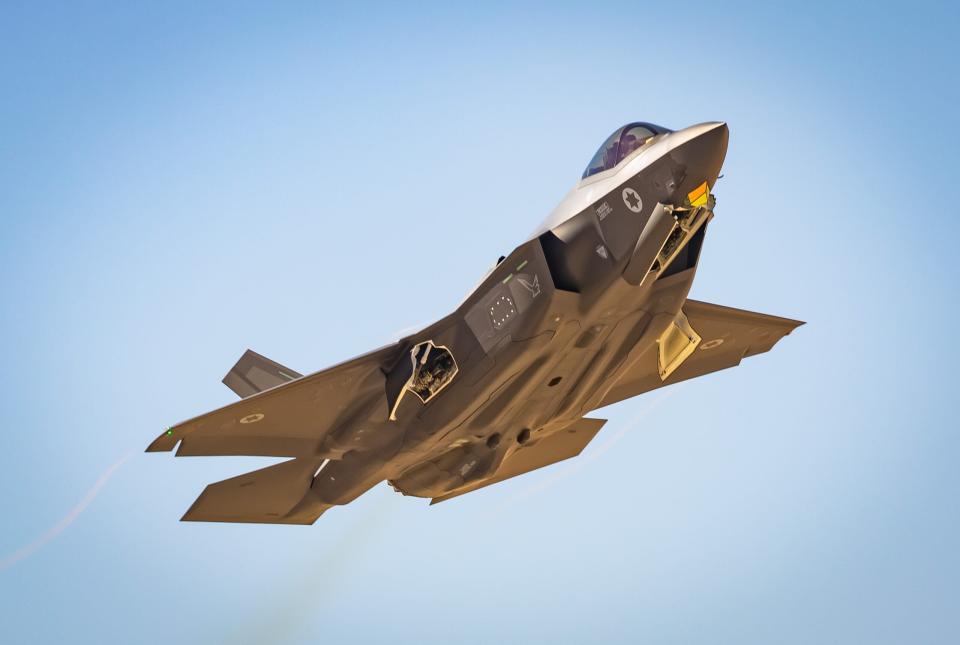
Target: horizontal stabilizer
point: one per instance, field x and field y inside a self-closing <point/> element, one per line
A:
<point x="254" y="373"/>
<point x="265" y="496"/>
<point x="555" y="447"/>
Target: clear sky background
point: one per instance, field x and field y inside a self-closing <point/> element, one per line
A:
<point x="178" y="184"/>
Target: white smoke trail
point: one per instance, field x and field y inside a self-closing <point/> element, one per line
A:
<point x="68" y="519"/>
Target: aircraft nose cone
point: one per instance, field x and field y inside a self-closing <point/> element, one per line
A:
<point x="703" y="152"/>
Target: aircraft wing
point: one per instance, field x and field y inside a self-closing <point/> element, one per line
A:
<point x="728" y="336"/>
<point x="288" y="420"/>
<point x="558" y="446"/>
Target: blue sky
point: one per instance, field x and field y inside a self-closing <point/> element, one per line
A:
<point x="178" y="184"/>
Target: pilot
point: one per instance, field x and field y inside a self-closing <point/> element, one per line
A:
<point x="620" y="144"/>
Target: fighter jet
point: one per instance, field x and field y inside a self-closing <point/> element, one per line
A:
<point x="592" y="309"/>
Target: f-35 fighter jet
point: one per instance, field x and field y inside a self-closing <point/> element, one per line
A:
<point x="589" y="311"/>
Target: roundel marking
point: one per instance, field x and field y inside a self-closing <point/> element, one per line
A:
<point x="252" y="418"/>
<point x="631" y="199"/>
<point x="710" y="344"/>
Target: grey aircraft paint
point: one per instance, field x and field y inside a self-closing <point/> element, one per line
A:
<point x="591" y="310"/>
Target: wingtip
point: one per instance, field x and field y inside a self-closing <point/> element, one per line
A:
<point x="164" y="443"/>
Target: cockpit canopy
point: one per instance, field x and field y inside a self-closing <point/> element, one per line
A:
<point x="620" y="144"/>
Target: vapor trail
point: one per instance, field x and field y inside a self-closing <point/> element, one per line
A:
<point x="67" y="520"/>
<point x="406" y="331"/>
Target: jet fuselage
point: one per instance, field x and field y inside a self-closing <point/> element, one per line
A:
<point x="542" y="339"/>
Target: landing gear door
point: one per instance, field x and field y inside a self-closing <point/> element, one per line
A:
<point x="675" y="345"/>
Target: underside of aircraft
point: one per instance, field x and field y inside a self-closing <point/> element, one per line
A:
<point x="590" y="311"/>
